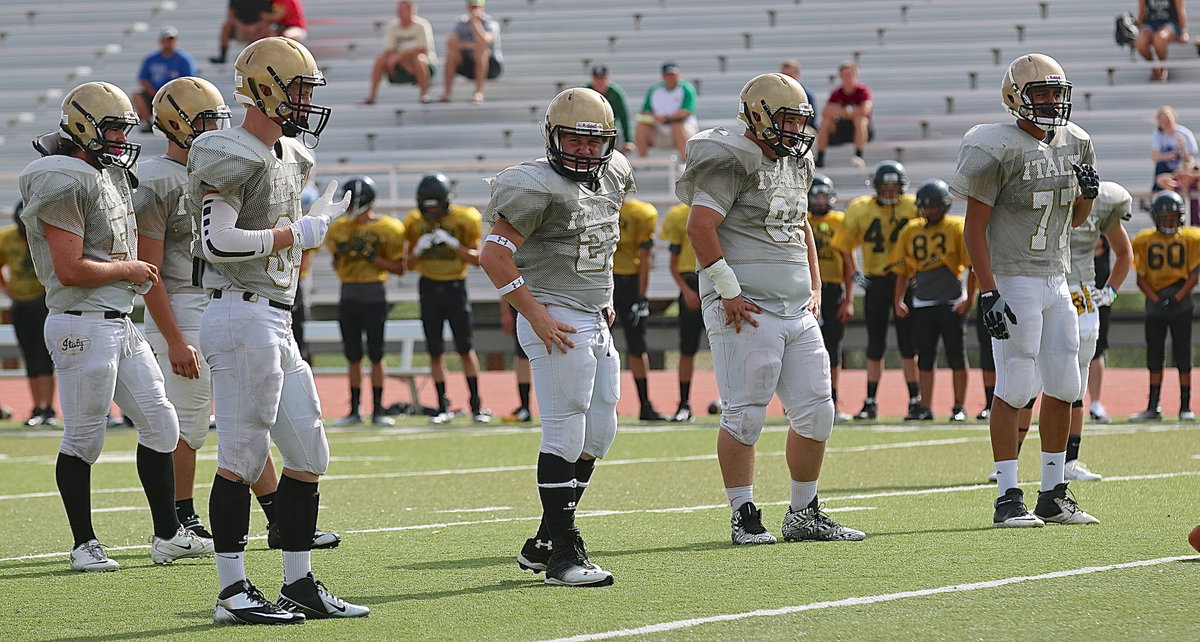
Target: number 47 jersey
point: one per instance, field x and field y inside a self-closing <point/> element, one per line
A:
<point x="1031" y="187"/>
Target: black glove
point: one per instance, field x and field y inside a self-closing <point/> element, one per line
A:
<point x="994" y="310"/>
<point x="639" y="310"/>
<point x="1088" y="179"/>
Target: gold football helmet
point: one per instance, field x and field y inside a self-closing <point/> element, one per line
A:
<point x="93" y="108"/>
<point x="1037" y="71"/>
<point x="267" y="70"/>
<point x="582" y="112"/>
<point x="768" y="100"/>
<point x="187" y="107"/>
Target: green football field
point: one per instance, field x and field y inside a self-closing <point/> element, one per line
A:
<point x="431" y="521"/>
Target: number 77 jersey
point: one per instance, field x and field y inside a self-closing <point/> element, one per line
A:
<point x="1031" y="187"/>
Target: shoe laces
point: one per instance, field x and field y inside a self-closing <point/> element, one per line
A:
<point x="95" y="551"/>
<point x="326" y="595"/>
<point x="751" y="521"/>
<point x="256" y="596"/>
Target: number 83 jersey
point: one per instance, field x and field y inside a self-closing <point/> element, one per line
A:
<point x="1031" y="187"/>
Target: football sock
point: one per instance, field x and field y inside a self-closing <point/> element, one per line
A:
<point x="1185" y="398"/>
<point x="443" y="402"/>
<point x="685" y="393"/>
<point x="643" y="390"/>
<point x="523" y="393"/>
<point x="989" y="393"/>
<point x="377" y="400"/>
<point x="1052" y="469"/>
<point x="157" y="473"/>
<point x="185" y="508"/>
<point x="268" y="506"/>
<point x="229" y="514"/>
<point x="803" y="493"/>
<point x="914" y="392"/>
<point x="872" y="388"/>
<point x="583" y="475"/>
<point x="296" y="509"/>
<point x="355" y="398"/>
<point x="556" y="489"/>
<point x="1155" y="391"/>
<point x="296" y="565"/>
<point x="739" y="495"/>
<point x="1006" y="475"/>
<point x="1073" y="447"/>
<point x="231" y="569"/>
<point x="74" y="477"/>
<point x="473" y="389"/>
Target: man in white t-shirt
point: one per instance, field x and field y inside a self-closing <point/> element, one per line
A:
<point x="668" y="111"/>
<point x="408" y="55"/>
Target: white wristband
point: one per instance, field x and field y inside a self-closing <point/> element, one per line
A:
<point x="502" y="242"/>
<point x="516" y="283"/>
<point x="724" y="280"/>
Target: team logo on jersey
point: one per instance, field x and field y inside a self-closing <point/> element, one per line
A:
<point x="73" y="344"/>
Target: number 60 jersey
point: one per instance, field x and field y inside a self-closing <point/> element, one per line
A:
<point x="765" y="203"/>
<point x="1031" y="187"/>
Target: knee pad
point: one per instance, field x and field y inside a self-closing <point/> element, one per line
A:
<point x="161" y="430"/>
<point x="815" y="422"/>
<point x="744" y="423"/>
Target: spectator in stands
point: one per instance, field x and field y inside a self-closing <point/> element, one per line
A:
<point x="791" y="68"/>
<point x="21" y="284"/>
<point x="287" y="17"/>
<point x="508" y="323"/>
<point x="669" y="111"/>
<point x="631" y="277"/>
<point x="473" y="51"/>
<point x="408" y="53"/>
<point x="615" y="96"/>
<point x="159" y="68"/>
<point x="1160" y="22"/>
<point x="367" y="248"/>
<point x="1173" y="150"/>
<point x="691" y="318"/>
<point x="443" y="243"/>
<point x="246" y="20"/>
<point x="846" y="116"/>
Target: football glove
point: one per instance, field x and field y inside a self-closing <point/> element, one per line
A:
<point x="442" y="237"/>
<point x="994" y="311"/>
<point x="327" y="207"/>
<point x="423" y="244"/>
<point x="639" y="310"/>
<point x="1102" y="297"/>
<point x="1088" y="179"/>
<point x="309" y="231"/>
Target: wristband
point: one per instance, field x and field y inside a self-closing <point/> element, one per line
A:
<point x="516" y="283"/>
<point x="724" y="280"/>
<point x="502" y="242"/>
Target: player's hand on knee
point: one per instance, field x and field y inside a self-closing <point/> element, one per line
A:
<point x="327" y="207"/>
<point x="737" y="310"/>
<point x="1088" y="179"/>
<point x="185" y="360"/>
<point x="996" y="314"/>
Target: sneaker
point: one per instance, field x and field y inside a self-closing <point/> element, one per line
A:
<point x="217" y="60"/>
<point x="321" y="539"/>
<point x="748" y="527"/>
<point x="1011" y="511"/>
<point x="36" y="418"/>
<point x="569" y="564"/>
<point x="841" y="417"/>
<point x="535" y="554"/>
<point x="194" y="524"/>
<point x="869" y="411"/>
<point x="380" y="419"/>
<point x="648" y="413"/>
<point x="482" y="416"/>
<point x="352" y="419"/>
<point x="857" y="162"/>
<point x="1057" y="507"/>
<point x="309" y="597"/>
<point x="1149" y="414"/>
<point x="90" y="556"/>
<point x="49" y="417"/>
<point x="683" y="415"/>
<point x="918" y="411"/>
<point x="984" y="414"/>
<point x="185" y="544"/>
<point x="812" y="524"/>
<point x="958" y="415"/>
<point x="1187" y="415"/>
<point x="1098" y="413"/>
<point x="520" y="415"/>
<point x="441" y="418"/>
<point x="1076" y="471"/>
<point x="241" y="603"/>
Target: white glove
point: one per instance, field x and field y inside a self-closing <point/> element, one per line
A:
<point x="446" y="238"/>
<point x="325" y="206"/>
<point x="423" y="244"/>
<point x="309" y="231"/>
<point x="1104" y="297"/>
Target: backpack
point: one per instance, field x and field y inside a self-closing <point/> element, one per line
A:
<point x="1126" y="30"/>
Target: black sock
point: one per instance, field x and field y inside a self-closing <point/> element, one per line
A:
<point x="185" y="508"/>
<point x="296" y="508"/>
<point x="268" y="506"/>
<point x="443" y="402"/>
<point x="523" y="393"/>
<point x="377" y="400"/>
<point x="74" y="477"/>
<point x="989" y="393"/>
<point x="473" y="389"/>
<point x="1155" y="391"/>
<point x="355" y="398"/>
<point x="643" y="390"/>
<point x="685" y="394"/>
<point x="1073" y="447"/>
<point x="1185" y="398"/>
<point x="872" y="388"/>
<point x="229" y="515"/>
<point x="554" y="476"/>
<point x="914" y="391"/>
<point x="858" y="153"/>
<point x="583" y="474"/>
<point x="157" y="472"/>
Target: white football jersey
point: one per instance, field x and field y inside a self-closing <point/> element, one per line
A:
<point x="1108" y="209"/>
<point x="1031" y="187"/>
<point x="766" y="206"/>
<point x="161" y="215"/>
<point x="95" y="204"/>
<point x="570" y="229"/>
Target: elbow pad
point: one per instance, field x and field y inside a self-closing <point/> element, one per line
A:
<point x="222" y="241"/>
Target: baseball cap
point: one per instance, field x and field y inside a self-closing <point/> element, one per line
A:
<point x="600" y="70"/>
<point x="475" y="2"/>
<point x="670" y="68"/>
<point x="168" y="32"/>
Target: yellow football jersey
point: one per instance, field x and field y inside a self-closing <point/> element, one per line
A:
<point x="824" y="229"/>
<point x="14" y="250"/>
<point x="922" y="247"/>
<point x="638" y="220"/>
<point x="1163" y="260"/>
<point x="674" y="232"/>
<point x="443" y="263"/>
<point x="355" y="244"/>
<point x="876" y="227"/>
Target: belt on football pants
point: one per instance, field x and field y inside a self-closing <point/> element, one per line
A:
<point x="107" y="314"/>
<point x="252" y="297"/>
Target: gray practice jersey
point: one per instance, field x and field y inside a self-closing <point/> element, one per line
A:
<point x="161" y="215"/>
<point x="263" y="185"/>
<point x="766" y="206"/>
<point x="1109" y="208"/>
<point x="570" y="229"/>
<point x="1031" y="187"/>
<point x="96" y="205"/>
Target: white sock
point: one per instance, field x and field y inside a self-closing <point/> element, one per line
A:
<point x="739" y="495"/>
<point x="803" y="493"/>
<point x="1006" y="475"/>
<point x="1053" y="469"/>
<point x="231" y="569"/>
<point x="296" y="565"/>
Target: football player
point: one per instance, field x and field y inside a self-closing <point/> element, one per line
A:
<point x="82" y="236"/>
<point x="836" y="269"/>
<point x="366" y="248"/>
<point x="28" y="313"/>
<point x="631" y="276"/>
<point x="874" y="221"/>
<point x="691" y="319"/>
<point x="443" y="244"/>
<point x="929" y="258"/>
<point x="1167" y="258"/>
<point x="1026" y="185"/>
<point x="244" y="199"/>
<point x="749" y="227"/>
<point x="550" y="251"/>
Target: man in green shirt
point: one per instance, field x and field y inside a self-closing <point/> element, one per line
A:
<point x="615" y="96"/>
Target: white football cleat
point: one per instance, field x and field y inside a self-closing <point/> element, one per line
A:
<point x="1076" y="471"/>
<point x="184" y="544"/>
<point x="90" y="557"/>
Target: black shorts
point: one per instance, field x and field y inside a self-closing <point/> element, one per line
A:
<point x="357" y="319"/>
<point x="691" y="322"/>
<point x="832" y="330"/>
<point x="443" y="301"/>
<point x="938" y="322"/>
<point x="400" y="76"/>
<point x="1102" y="340"/>
<point x="29" y="321"/>
<point x="877" y="302"/>
<point x="466" y="67"/>
<point x="625" y="294"/>
<point x="987" y="361"/>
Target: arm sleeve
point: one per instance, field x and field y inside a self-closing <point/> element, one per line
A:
<point x="221" y="239"/>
